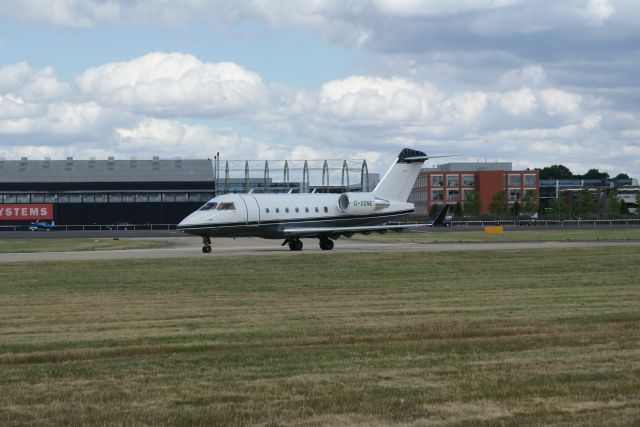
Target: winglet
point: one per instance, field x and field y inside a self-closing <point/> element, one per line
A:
<point x="439" y="221"/>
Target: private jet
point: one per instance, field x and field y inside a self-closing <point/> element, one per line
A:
<point x="313" y="215"/>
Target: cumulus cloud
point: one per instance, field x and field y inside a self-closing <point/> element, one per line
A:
<point x="174" y="83"/>
<point x="34" y="85"/>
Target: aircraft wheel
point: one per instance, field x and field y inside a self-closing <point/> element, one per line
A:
<point x="206" y="249"/>
<point x="326" y="245"/>
<point x="295" y="244"/>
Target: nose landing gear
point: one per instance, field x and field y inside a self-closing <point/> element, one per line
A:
<point x="206" y="244"/>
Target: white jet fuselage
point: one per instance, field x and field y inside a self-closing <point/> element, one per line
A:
<point x="276" y="216"/>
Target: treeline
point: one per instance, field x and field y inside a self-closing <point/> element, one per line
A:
<point x="586" y="205"/>
<point x="563" y="172"/>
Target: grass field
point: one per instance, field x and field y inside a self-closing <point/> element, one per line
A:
<point x="527" y="234"/>
<point x="400" y="338"/>
<point x="76" y="244"/>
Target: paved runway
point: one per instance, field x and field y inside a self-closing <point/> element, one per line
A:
<point x="191" y="247"/>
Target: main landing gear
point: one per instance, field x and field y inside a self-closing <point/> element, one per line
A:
<point x="326" y="244"/>
<point x="206" y="244"/>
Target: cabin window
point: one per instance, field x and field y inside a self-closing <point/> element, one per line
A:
<point x="227" y="206"/>
<point x="317" y="210"/>
<point x="267" y="210"/>
<point x="297" y="210"/>
<point x="286" y="210"/>
<point x="306" y="210"/>
<point x="326" y="209"/>
<point x="209" y="206"/>
<point x="277" y="210"/>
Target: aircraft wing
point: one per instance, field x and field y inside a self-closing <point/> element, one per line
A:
<point x="348" y="231"/>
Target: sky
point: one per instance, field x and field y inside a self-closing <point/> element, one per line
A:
<point x="534" y="83"/>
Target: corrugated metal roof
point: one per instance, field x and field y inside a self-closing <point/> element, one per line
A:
<point x="109" y="170"/>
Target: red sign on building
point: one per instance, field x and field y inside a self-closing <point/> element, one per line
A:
<point x="30" y="211"/>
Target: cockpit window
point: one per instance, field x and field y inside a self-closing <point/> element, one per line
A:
<point x="229" y="206"/>
<point x="208" y="206"/>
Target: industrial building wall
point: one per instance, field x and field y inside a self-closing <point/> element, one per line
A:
<point x="122" y="213"/>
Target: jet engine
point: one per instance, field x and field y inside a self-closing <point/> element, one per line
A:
<point x="358" y="203"/>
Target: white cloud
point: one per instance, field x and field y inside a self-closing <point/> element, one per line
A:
<point x="518" y="103"/>
<point x="361" y="99"/>
<point x="175" y="83"/>
<point x="37" y="86"/>
<point x="559" y="102"/>
<point x="438" y="7"/>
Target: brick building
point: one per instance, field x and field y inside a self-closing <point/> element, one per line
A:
<point x="451" y="183"/>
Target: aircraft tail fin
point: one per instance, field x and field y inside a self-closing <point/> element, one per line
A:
<point x="400" y="178"/>
<point x="439" y="221"/>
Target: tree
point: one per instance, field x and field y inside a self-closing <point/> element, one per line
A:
<point x="457" y="209"/>
<point x="530" y="204"/>
<point x="613" y="204"/>
<point x="499" y="204"/>
<point x="595" y="174"/>
<point x="472" y="203"/>
<point x="586" y="204"/>
<point x="515" y="210"/>
<point x="558" y="206"/>
<point x="638" y="203"/>
<point x="624" y="209"/>
<point x="556" y="172"/>
<point x="622" y="176"/>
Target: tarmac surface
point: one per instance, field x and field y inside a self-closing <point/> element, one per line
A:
<point x="190" y="246"/>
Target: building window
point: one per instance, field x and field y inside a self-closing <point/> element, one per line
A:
<point x="453" y="180"/>
<point x="468" y="180"/>
<point x="453" y="195"/>
<point x="437" y="181"/>
<point x="437" y="195"/>
<point x="23" y="198"/>
<point x="514" y="194"/>
<point x="155" y="198"/>
<point x="514" y="180"/>
<point x="102" y="198"/>
<point x="88" y="198"/>
<point x="37" y="198"/>
<point x="530" y="180"/>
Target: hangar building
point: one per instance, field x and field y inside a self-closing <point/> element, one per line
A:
<point x="106" y="191"/>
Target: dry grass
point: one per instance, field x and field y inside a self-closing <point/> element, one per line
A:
<point x="508" y="338"/>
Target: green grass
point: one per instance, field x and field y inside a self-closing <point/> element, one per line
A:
<point x="399" y="338"/>
<point x="75" y="244"/>
<point x="532" y="234"/>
